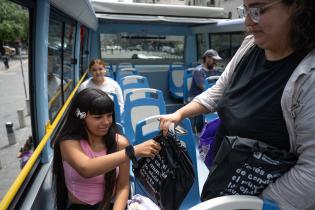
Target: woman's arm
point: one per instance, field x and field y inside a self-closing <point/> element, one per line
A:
<point x="72" y="153"/>
<point x="122" y="186"/>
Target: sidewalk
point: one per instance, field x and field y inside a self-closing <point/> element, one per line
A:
<point x="12" y="98"/>
<point x="12" y="62"/>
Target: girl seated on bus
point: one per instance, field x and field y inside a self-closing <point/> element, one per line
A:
<point x="91" y="159"/>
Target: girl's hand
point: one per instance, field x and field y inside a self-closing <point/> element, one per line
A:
<point x="148" y="148"/>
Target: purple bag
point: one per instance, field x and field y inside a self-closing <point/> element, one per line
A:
<point x="207" y="141"/>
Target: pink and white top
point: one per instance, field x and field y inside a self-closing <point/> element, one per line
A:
<point x="87" y="190"/>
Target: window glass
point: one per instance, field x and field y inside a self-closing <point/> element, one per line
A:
<point x="68" y="52"/>
<point x="137" y="49"/>
<point x="60" y="69"/>
<point x="237" y="39"/>
<point x="201" y="45"/>
<point x="226" y="44"/>
<point x="84" y="37"/>
<point x="54" y="68"/>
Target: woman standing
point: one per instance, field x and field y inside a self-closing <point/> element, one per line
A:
<point x="267" y="93"/>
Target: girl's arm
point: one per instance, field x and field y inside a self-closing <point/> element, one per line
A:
<point x="72" y="153"/>
<point x="122" y="186"/>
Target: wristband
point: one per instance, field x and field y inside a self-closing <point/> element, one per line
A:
<point x="130" y="152"/>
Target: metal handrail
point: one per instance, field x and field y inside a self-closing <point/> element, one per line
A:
<point x="9" y="196"/>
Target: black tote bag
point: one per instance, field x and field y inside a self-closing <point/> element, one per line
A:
<point x="168" y="176"/>
<point x="245" y="167"/>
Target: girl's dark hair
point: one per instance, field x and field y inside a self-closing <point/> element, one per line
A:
<point x="303" y="25"/>
<point x="91" y="101"/>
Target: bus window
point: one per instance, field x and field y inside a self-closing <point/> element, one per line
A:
<point x="68" y="54"/>
<point x="118" y="47"/>
<point x="60" y="71"/>
<point x="54" y="70"/>
<point x="202" y="45"/>
<point x="226" y="44"/>
<point x="84" y="37"/>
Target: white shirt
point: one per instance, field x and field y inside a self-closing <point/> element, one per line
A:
<point x="109" y="86"/>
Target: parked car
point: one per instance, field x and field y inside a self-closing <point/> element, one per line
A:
<point x="135" y="48"/>
<point x="9" y="50"/>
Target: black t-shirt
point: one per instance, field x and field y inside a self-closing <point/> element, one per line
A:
<point x="250" y="106"/>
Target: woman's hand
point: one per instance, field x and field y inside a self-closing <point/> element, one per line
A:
<point x="148" y="148"/>
<point x="167" y="120"/>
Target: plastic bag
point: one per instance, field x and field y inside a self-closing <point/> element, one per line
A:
<point x="140" y="202"/>
<point x="245" y="167"/>
<point x="206" y="144"/>
<point x="168" y="176"/>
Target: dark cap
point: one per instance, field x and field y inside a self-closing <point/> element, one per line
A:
<point x="213" y="54"/>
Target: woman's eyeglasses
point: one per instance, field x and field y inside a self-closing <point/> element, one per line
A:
<point x="254" y="12"/>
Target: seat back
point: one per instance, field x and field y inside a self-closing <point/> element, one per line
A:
<point x="210" y="81"/>
<point x="124" y="65"/>
<point x="131" y="82"/>
<point x="235" y="202"/>
<point x="118" y="114"/>
<point x="120" y="73"/>
<point x="149" y="128"/>
<point x="109" y="71"/>
<point x="140" y="104"/>
<point x="131" y="79"/>
<point x="188" y="76"/>
<point x="120" y="128"/>
<point x="176" y="80"/>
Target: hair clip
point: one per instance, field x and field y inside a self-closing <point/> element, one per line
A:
<point x="79" y="114"/>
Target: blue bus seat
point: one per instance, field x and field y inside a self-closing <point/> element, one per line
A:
<point x="176" y="80"/>
<point x="118" y="114"/>
<point x="120" y="128"/>
<point x="140" y="104"/>
<point x="235" y="202"/>
<point x="120" y="73"/>
<point x="188" y="76"/>
<point x="124" y="65"/>
<point x="194" y="64"/>
<point x="209" y="82"/>
<point x="149" y="128"/>
<point x="128" y="83"/>
<point x="109" y="72"/>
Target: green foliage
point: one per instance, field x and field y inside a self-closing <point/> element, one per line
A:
<point x="13" y="22"/>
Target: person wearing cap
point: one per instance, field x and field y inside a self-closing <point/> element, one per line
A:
<point x="266" y="93"/>
<point x="206" y="69"/>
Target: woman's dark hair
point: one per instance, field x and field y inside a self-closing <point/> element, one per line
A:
<point x="93" y="101"/>
<point x="303" y="25"/>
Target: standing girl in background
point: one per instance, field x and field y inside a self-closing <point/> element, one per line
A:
<point x="100" y="81"/>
